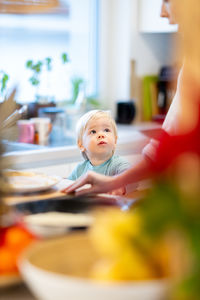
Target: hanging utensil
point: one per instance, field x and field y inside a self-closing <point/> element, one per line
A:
<point x="16" y="115"/>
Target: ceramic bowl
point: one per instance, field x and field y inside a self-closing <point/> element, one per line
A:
<point x="59" y="269"/>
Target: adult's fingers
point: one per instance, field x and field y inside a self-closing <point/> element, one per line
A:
<point x="78" y="183"/>
<point x="65" y="190"/>
<point x="87" y="191"/>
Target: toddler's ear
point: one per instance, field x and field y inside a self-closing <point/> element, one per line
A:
<point x="82" y="149"/>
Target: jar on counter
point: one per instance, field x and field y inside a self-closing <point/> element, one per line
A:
<point x="58" y="120"/>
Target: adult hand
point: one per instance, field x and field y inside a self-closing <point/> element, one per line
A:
<point x="118" y="192"/>
<point x="98" y="184"/>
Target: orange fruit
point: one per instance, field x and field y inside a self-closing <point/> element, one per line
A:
<point x="17" y="238"/>
<point x="7" y="260"/>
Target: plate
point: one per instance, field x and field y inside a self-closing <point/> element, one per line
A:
<point x="23" y="182"/>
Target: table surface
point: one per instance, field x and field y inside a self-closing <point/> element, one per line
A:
<point x="54" y="192"/>
<point x="16" y="292"/>
<point x="20" y="291"/>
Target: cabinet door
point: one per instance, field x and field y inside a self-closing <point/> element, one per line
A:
<point x="149" y="17"/>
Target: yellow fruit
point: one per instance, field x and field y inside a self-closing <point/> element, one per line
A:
<point x="114" y="230"/>
<point x="128" y="266"/>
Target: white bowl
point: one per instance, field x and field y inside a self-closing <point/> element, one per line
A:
<point x="52" y="224"/>
<point x="58" y="270"/>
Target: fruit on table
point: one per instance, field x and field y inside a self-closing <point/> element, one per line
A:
<point x="114" y="230"/>
<point x="7" y="260"/>
<point x="130" y="265"/>
<point x="12" y="241"/>
<point x="126" y="252"/>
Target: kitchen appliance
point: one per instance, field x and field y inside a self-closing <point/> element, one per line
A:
<point x="166" y="88"/>
<point x="125" y="111"/>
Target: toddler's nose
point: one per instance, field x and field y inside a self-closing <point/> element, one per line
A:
<point x="101" y="135"/>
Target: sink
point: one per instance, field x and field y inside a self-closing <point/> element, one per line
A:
<point x="10" y="146"/>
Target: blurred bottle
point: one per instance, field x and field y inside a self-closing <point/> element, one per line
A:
<point x="58" y="120"/>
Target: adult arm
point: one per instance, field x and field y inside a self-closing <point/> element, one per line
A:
<point x="103" y="184"/>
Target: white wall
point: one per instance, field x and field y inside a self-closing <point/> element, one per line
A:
<point x="120" y="41"/>
<point x="115" y="45"/>
<point x="150" y="50"/>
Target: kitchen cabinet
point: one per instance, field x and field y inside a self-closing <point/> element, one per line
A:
<point x="150" y="20"/>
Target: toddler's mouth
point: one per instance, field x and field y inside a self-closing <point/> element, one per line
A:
<point x="102" y="143"/>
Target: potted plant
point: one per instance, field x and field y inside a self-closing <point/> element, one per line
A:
<point x="4" y="77"/>
<point x="37" y="68"/>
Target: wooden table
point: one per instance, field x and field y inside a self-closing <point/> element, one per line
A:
<point x="20" y="291"/>
<point x="56" y="193"/>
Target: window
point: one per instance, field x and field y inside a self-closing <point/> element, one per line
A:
<point x="72" y="30"/>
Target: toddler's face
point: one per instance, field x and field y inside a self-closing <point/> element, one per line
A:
<point x="99" y="140"/>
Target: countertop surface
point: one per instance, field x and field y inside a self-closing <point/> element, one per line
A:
<point x="20" y="291"/>
<point x="130" y="140"/>
<point x="16" y="292"/>
<point x="125" y="133"/>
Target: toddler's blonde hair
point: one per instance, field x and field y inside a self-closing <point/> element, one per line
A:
<point x="89" y="116"/>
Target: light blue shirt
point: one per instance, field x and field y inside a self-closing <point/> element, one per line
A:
<point x="115" y="165"/>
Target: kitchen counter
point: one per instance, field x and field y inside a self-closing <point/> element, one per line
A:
<point x="130" y="141"/>
<point x="20" y="291"/>
<point x="17" y="292"/>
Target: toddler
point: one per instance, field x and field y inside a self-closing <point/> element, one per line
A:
<point x="96" y="139"/>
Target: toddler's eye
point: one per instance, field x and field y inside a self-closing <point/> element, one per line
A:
<point x="93" y="131"/>
<point x="107" y="130"/>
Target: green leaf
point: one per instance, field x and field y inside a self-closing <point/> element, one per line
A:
<point x="34" y="80"/>
<point x="38" y="67"/>
<point x="29" y="64"/>
<point x="189" y="288"/>
<point x="162" y="208"/>
<point x="76" y="83"/>
<point x="93" y="102"/>
<point x="65" y="58"/>
<point x="48" y="63"/>
<point x="4" y="81"/>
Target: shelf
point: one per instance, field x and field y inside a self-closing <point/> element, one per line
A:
<point x="35" y="22"/>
